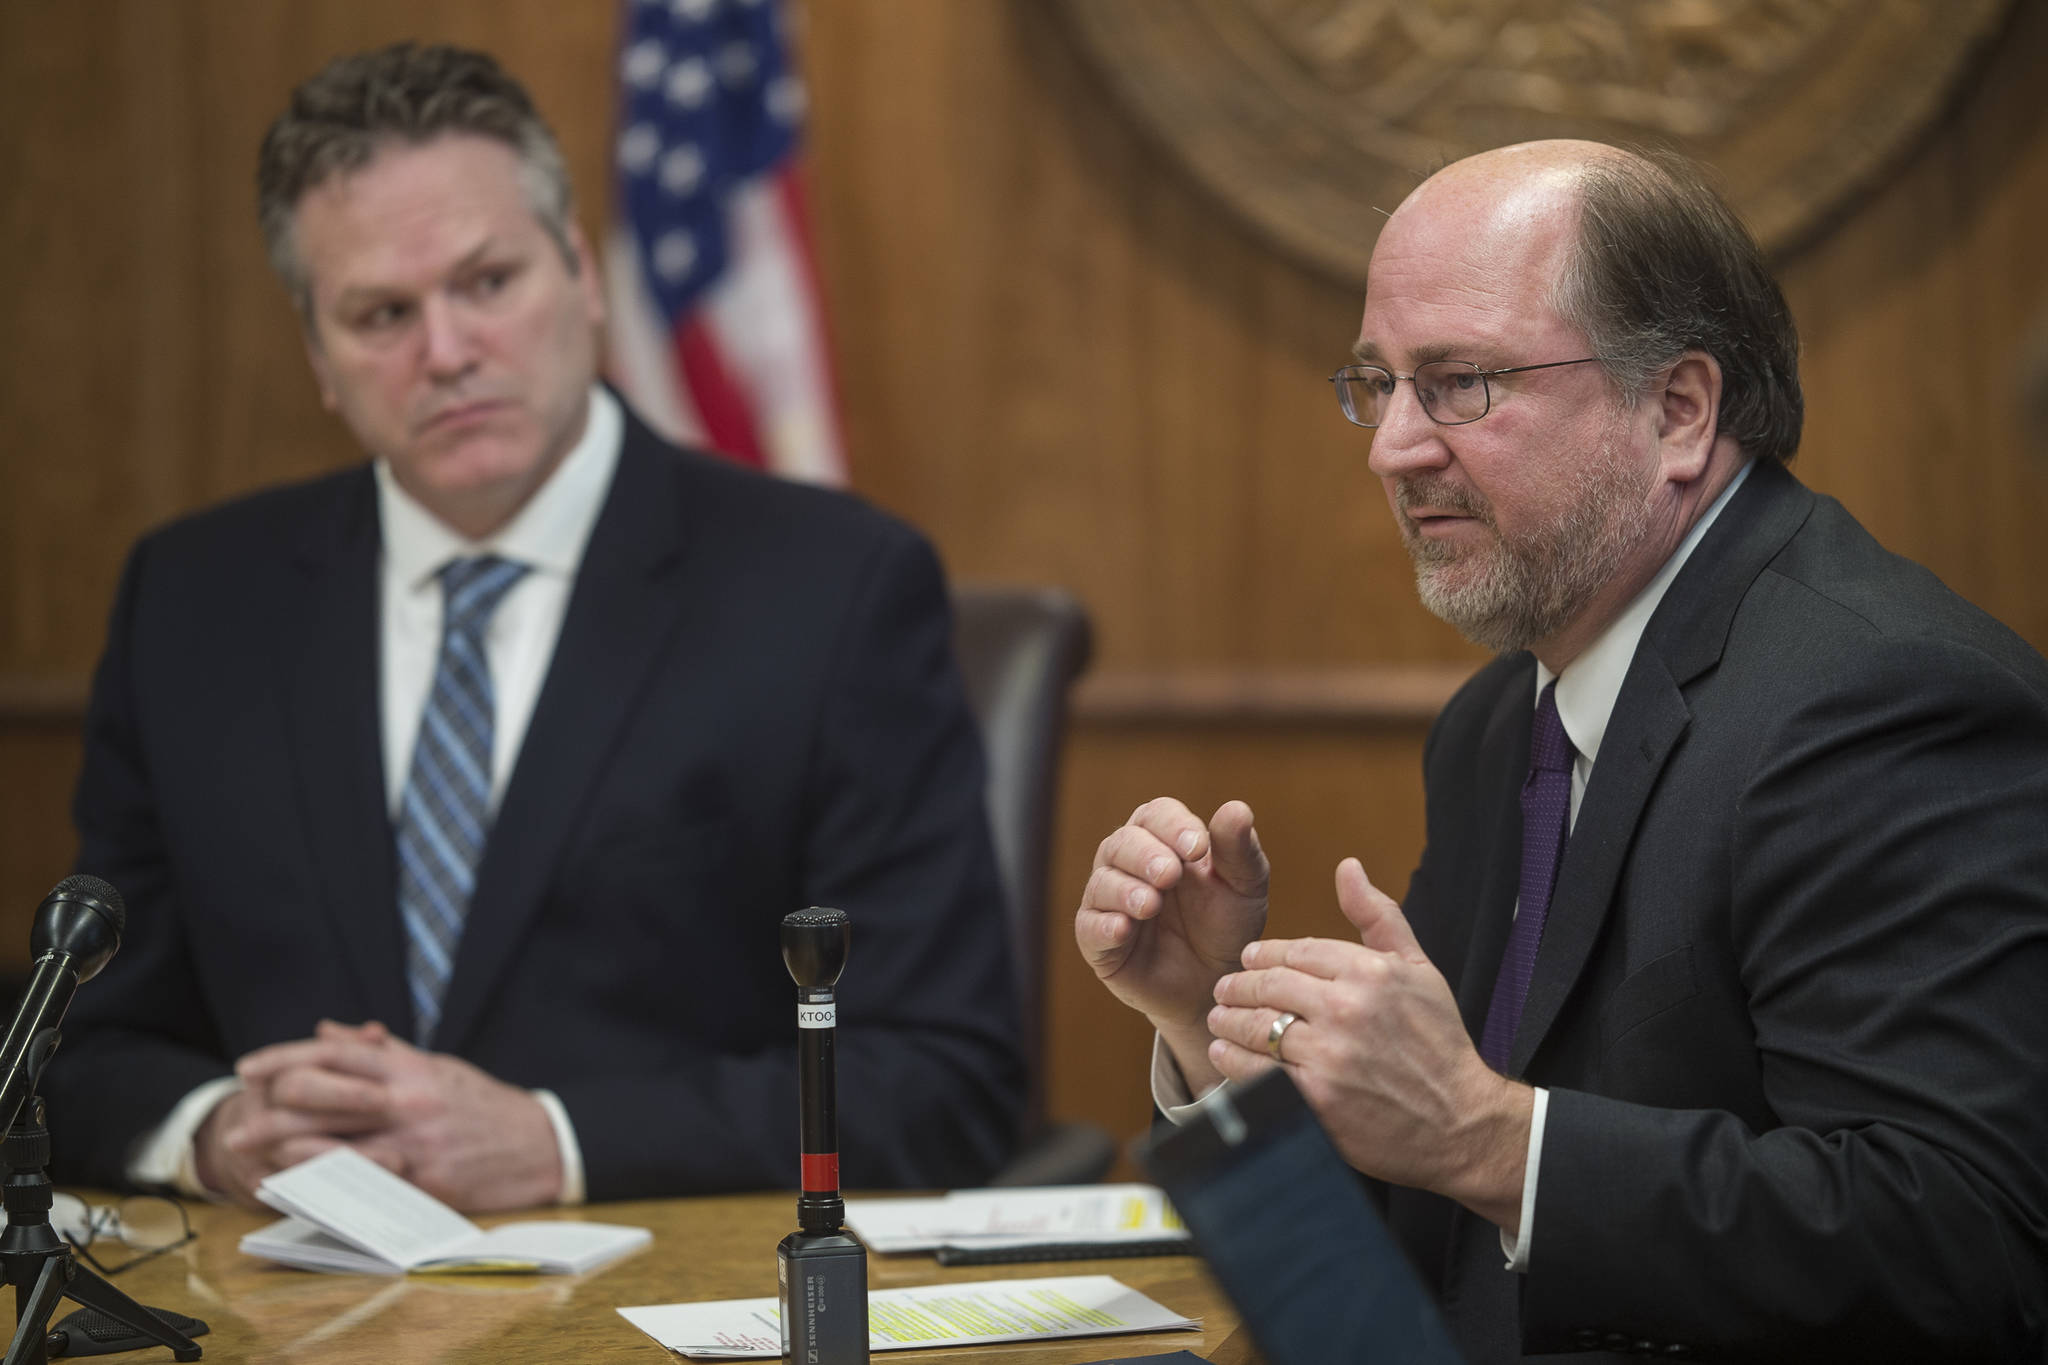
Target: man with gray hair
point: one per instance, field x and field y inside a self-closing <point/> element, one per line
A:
<point x="457" y="798"/>
<point x="1712" y="1023"/>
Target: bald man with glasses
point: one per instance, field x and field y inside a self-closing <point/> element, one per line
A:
<point x="1712" y="1024"/>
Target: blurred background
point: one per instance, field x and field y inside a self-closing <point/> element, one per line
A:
<point x="1059" y="350"/>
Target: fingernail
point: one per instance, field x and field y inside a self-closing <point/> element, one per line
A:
<point x="1135" y="898"/>
<point x="1187" y="844"/>
<point x="1250" y="954"/>
<point x="1158" y="868"/>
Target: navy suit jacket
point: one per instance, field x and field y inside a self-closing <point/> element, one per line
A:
<point x="1792" y="996"/>
<point x="752" y="707"/>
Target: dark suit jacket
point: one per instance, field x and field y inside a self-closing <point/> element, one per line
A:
<point x="1792" y="997"/>
<point x="752" y="708"/>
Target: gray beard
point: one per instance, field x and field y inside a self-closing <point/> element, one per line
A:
<point x="1528" y="589"/>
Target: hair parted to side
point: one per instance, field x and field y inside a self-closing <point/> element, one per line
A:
<point x="1661" y="265"/>
<point x="341" y="116"/>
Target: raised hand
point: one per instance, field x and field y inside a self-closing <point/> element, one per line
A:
<point x="1169" y="907"/>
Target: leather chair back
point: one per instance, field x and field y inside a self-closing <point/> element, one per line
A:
<point x="1020" y="649"/>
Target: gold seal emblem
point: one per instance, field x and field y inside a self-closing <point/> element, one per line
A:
<point x="1312" y="118"/>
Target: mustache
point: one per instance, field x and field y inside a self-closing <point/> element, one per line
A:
<point x="1442" y="495"/>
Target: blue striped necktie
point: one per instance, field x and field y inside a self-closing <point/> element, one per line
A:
<point x="446" y="813"/>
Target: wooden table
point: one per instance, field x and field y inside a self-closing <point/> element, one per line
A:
<point x="715" y="1248"/>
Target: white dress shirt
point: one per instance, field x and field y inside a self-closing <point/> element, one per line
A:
<point x="1586" y="693"/>
<point x="548" y="535"/>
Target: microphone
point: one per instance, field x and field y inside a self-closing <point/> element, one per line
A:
<point x="78" y="927"/>
<point x="821" y="1272"/>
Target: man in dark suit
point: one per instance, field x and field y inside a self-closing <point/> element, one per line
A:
<point x="1712" y="1024"/>
<point x="457" y="799"/>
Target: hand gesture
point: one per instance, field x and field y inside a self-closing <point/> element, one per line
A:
<point x="1380" y="1052"/>
<point x="1169" y="907"/>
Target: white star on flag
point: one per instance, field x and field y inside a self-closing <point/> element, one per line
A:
<point x="717" y="331"/>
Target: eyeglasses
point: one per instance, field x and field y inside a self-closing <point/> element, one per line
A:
<point x="148" y="1224"/>
<point x="1452" y="392"/>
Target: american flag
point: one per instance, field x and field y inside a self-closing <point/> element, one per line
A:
<point x="717" y="324"/>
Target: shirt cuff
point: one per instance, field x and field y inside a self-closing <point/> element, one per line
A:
<point x="566" y="1144"/>
<point x="1170" y="1088"/>
<point x="1517" y="1251"/>
<point x="167" y="1156"/>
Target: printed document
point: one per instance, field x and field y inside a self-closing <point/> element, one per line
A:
<point x="347" y="1213"/>
<point x="974" y="1314"/>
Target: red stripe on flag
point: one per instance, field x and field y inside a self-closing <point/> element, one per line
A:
<point x="792" y="189"/>
<point x="821" y="1172"/>
<point x="727" y="415"/>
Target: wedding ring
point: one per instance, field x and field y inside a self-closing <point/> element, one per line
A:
<point x="1276" y="1033"/>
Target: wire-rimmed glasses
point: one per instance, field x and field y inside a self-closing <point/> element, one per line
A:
<point x="147" y="1224"/>
<point x="1452" y="392"/>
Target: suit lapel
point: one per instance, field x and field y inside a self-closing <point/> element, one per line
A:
<point x="1498" y="809"/>
<point x="330" y="662"/>
<point x="1649" y="717"/>
<point x="1685" y="638"/>
<point x="623" y="609"/>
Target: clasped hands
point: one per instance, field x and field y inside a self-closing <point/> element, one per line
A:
<point x="1170" y="921"/>
<point x="461" y="1135"/>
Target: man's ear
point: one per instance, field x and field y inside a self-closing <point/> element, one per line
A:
<point x="323" y="368"/>
<point x="588" y="279"/>
<point x="1688" y="415"/>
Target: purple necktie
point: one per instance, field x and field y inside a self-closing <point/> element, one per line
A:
<point x="1546" y="811"/>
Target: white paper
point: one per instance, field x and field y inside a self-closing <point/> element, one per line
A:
<point x="294" y="1241"/>
<point x="977" y="1313"/>
<point x="347" y="1213"/>
<point x="551" y="1244"/>
<point x="1104" y="1214"/>
<point x="350" y="1196"/>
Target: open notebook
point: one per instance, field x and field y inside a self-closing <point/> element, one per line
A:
<point x="347" y="1213"/>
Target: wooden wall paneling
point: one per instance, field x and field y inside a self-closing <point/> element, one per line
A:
<point x="1061" y="359"/>
<point x="1057" y="356"/>
<point x="78" y="393"/>
<point x="1912" y="313"/>
<point x="38" y="761"/>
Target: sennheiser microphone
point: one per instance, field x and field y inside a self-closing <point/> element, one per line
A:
<point x="821" y="1271"/>
<point x="78" y="927"/>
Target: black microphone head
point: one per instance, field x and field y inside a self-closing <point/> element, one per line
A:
<point x="814" y="944"/>
<point x="90" y="889"/>
<point x="82" y="917"/>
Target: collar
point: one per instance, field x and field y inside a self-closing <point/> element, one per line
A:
<point x="547" y="534"/>
<point x="1587" y="689"/>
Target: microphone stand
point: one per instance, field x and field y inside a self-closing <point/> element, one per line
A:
<point x="43" y="1269"/>
<point x="821" y="1271"/>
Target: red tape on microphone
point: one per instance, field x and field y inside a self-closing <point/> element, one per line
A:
<point x="821" y="1172"/>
